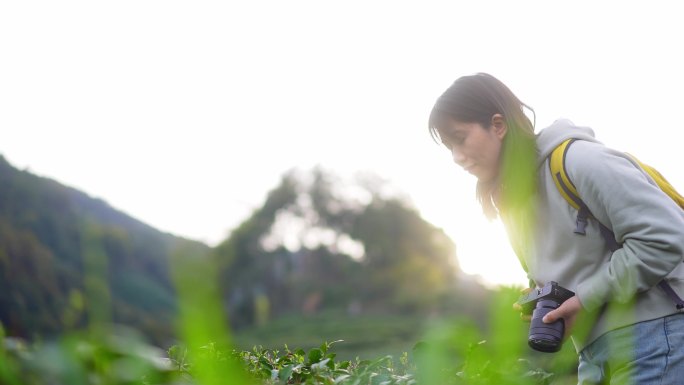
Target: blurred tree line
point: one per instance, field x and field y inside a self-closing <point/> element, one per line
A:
<point x="63" y="252"/>
<point x="316" y="243"/>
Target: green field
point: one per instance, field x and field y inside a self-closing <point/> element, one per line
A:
<point x="363" y="336"/>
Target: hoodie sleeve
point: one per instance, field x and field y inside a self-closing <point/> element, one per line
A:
<point x="648" y="224"/>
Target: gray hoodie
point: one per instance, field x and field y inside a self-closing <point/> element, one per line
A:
<point x="617" y="287"/>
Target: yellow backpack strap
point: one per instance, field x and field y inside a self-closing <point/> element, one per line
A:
<point x="565" y="186"/>
<point x="560" y="176"/>
<point x="661" y="181"/>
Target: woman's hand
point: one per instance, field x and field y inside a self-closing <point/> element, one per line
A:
<point x="568" y="310"/>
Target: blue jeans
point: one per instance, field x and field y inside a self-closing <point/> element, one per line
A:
<point x="646" y="353"/>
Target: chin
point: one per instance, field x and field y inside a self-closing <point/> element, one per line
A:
<point x="487" y="179"/>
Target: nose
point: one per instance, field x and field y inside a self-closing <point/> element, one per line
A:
<point x="458" y="156"/>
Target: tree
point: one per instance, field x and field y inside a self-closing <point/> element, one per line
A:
<point x="317" y="237"/>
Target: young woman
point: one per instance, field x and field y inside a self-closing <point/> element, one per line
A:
<point x="634" y="333"/>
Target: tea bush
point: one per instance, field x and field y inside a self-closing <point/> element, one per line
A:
<point x="121" y="359"/>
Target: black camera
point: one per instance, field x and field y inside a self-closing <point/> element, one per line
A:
<point x="545" y="337"/>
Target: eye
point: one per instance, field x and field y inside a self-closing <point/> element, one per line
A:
<point x="453" y="140"/>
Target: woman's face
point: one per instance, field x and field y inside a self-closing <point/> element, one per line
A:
<point x="474" y="147"/>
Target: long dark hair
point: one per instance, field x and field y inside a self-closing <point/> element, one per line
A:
<point x="476" y="99"/>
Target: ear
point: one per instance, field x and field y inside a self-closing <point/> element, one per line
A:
<point x="499" y="125"/>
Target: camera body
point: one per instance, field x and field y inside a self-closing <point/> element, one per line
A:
<point x="538" y="302"/>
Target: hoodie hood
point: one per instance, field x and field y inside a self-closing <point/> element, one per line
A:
<point x="558" y="132"/>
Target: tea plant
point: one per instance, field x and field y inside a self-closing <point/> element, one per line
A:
<point x="122" y="360"/>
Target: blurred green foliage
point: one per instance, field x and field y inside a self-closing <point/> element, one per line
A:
<point x="449" y="353"/>
<point x="88" y="295"/>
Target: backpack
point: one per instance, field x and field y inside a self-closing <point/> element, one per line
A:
<point x="569" y="192"/>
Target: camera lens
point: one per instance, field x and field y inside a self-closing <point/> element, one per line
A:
<point x="545" y="337"/>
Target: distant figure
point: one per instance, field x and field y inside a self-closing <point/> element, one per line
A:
<point x="312" y="303"/>
<point x="619" y="246"/>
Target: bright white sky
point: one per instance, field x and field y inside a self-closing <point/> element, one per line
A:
<point x="185" y="113"/>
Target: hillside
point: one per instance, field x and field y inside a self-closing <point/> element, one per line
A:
<point x="61" y="250"/>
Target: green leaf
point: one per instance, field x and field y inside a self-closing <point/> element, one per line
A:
<point x="264" y="362"/>
<point x="285" y="373"/>
<point x="330" y="362"/>
<point x="315" y="355"/>
<point x="320" y="365"/>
